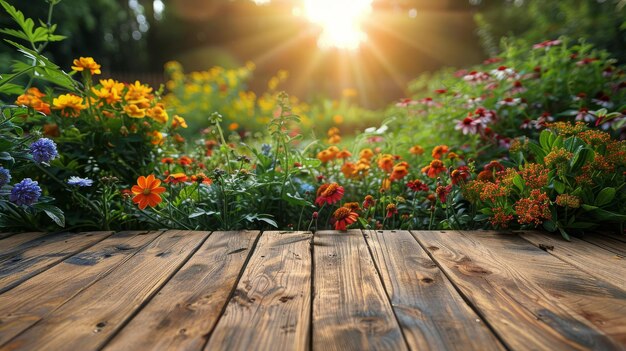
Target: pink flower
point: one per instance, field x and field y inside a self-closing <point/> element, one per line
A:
<point x="468" y="125"/>
<point x="406" y="102"/>
<point x="547" y="44"/>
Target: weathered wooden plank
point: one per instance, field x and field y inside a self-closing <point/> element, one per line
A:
<point x="430" y="311"/>
<point x="608" y="243"/>
<point x="6" y="235"/>
<point x="50" y="250"/>
<point x="598" y="262"/>
<point x="271" y="307"/>
<point x="531" y="299"/>
<point x="181" y="315"/>
<point x="30" y="301"/>
<point x="91" y="317"/>
<point x="351" y="310"/>
<point x="21" y="241"/>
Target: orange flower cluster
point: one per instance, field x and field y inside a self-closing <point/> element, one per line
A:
<point x="334" y="136"/>
<point x="534" y="209"/>
<point x="33" y="98"/>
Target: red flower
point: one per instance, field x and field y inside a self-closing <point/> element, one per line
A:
<point x="185" y="161"/>
<point x="442" y="192"/>
<point x="391" y="210"/>
<point x="435" y="167"/>
<point x="368" y="201"/>
<point x="343" y="217"/>
<point x="167" y="160"/>
<point x="417" y="185"/>
<point x="329" y="193"/>
<point x="460" y="175"/>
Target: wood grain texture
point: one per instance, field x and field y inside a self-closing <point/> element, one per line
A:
<point x="182" y="314"/>
<point x="5" y="235"/>
<point x="32" y="300"/>
<point x="89" y="319"/>
<point x="531" y="299"/>
<point x="430" y="311"/>
<point x="351" y="310"/>
<point x="592" y="259"/>
<point x="270" y="309"/>
<point x="608" y="243"/>
<point x="15" y="242"/>
<point x="33" y="259"/>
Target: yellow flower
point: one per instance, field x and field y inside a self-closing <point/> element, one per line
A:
<point x="134" y="111"/>
<point x="156" y="136"/>
<point x="111" y="96"/>
<point x="158" y="113"/>
<point x="138" y="94"/>
<point x="179" y="122"/>
<point x="86" y="63"/>
<point x="69" y="104"/>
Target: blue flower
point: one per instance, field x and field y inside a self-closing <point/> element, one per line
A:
<point x="78" y="181"/>
<point x="266" y="149"/>
<point x="26" y="192"/>
<point x="5" y="176"/>
<point x="43" y="150"/>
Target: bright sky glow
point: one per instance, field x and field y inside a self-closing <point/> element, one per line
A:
<point x="341" y="21"/>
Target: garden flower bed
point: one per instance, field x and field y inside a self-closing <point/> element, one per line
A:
<point x="531" y="139"/>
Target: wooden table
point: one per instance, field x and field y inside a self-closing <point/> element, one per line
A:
<point x="355" y="290"/>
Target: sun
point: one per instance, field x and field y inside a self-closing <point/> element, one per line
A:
<point x="340" y="20"/>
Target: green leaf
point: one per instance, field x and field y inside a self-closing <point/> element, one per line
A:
<point x="55" y="213"/>
<point x="605" y="196"/>
<point x="559" y="187"/>
<point x="581" y="157"/>
<point x="519" y="182"/>
<point x="550" y="226"/>
<point x="544" y="140"/>
<point x="604" y="215"/>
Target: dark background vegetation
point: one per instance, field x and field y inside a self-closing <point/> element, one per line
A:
<point x="131" y="40"/>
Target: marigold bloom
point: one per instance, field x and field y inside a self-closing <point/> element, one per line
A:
<point x="366" y="154"/>
<point x="368" y="201"/>
<point x="434" y="168"/>
<point x="416" y="150"/>
<point x="399" y="171"/>
<point x="86" y="64"/>
<point x="156" y="137"/>
<point x="32" y="99"/>
<point x="333" y="131"/>
<point x="329" y="193"/>
<point x="110" y="96"/>
<point x="325" y="156"/>
<point x="348" y="169"/>
<point x="69" y="104"/>
<point x="158" y="113"/>
<point x="178" y="121"/>
<point x="201" y="178"/>
<point x="335" y="139"/>
<point x="138" y="94"/>
<point x="147" y="191"/>
<point x="134" y="111"/>
<point x="391" y="210"/>
<point x="354" y="206"/>
<point x="343" y="217"/>
<point x="176" y="178"/>
<point x="439" y="151"/>
<point x="344" y="154"/>
<point x="385" y="162"/>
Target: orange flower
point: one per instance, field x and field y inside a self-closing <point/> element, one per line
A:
<point x="335" y="139"/>
<point x="178" y="121"/>
<point x="134" y="111"/>
<point x="348" y="169"/>
<point x="416" y="150"/>
<point x="368" y="201"/>
<point x="366" y="154"/>
<point x="333" y="131"/>
<point x="32" y="99"/>
<point x="156" y="137"/>
<point x="86" y="64"/>
<point x="439" y="151"/>
<point x="158" y="113"/>
<point x="176" y="178"/>
<point x="233" y="126"/>
<point x="167" y="160"/>
<point x="343" y="217"/>
<point x="385" y="162"/>
<point x="325" y="156"/>
<point x="399" y="171"/>
<point x="201" y="178"/>
<point x="329" y="193"/>
<point x="147" y="191"/>
<point x="434" y="168"/>
<point x="344" y="154"/>
<point x="185" y="161"/>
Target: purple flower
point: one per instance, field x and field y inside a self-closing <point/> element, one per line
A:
<point x="26" y="192"/>
<point x="5" y="176"/>
<point x="43" y="150"/>
<point x="78" y="181"/>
